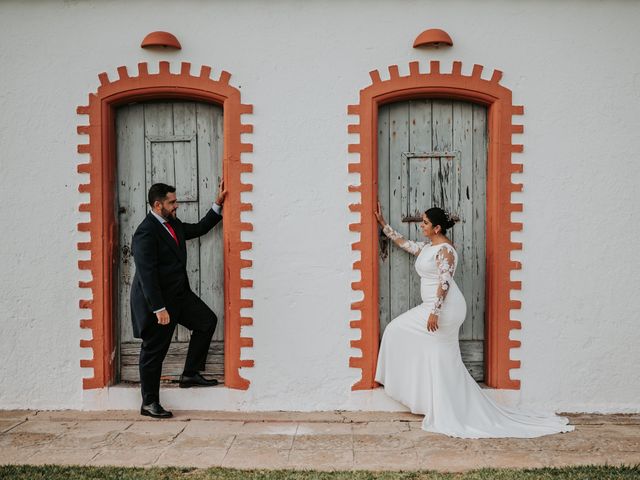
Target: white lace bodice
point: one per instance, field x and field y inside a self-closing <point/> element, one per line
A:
<point x="436" y="265"/>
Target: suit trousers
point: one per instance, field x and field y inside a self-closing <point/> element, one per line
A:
<point x="194" y="315"/>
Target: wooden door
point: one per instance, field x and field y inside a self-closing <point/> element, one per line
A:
<point x="178" y="143"/>
<point x="434" y="153"/>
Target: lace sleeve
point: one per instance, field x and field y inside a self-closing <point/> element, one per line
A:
<point x="446" y="263"/>
<point x="414" y="248"/>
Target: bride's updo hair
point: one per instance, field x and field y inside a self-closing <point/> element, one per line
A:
<point x="438" y="216"/>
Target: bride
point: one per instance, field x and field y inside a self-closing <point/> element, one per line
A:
<point x="419" y="362"/>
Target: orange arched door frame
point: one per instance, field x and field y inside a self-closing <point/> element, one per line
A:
<point x="498" y="100"/>
<point x="102" y="227"/>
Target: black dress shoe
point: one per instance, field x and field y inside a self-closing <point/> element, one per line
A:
<point x="196" y="380"/>
<point x="155" y="410"/>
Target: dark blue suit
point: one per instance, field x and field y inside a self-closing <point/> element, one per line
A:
<point x="161" y="281"/>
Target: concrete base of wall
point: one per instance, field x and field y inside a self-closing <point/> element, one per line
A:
<point x="125" y="397"/>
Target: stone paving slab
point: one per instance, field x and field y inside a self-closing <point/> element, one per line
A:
<point x="200" y="457"/>
<point x="298" y="440"/>
<point x="272" y="458"/>
<point x="389" y="459"/>
<point x="332" y="459"/>
<point x="315" y="442"/>
<point x="178" y="416"/>
<point x="324" y="428"/>
<point x="16" y="414"/>
<point x="331" y="416"/>
<point x="597" y="419"/>
<point x="6" y="425"/>
<point x="76" y="456"/>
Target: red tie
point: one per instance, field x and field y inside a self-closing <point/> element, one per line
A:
<point x="172" y="232"/>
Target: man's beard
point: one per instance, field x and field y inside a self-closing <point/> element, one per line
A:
<point x="167" y="214"/>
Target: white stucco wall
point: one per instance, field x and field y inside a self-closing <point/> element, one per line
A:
<point x="300" y="64"/>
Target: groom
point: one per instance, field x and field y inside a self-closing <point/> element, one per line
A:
<point x="161" y="297"/>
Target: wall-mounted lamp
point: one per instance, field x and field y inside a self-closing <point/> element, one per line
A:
<point x="434" y="37"/>
<point x="161" y="39"/>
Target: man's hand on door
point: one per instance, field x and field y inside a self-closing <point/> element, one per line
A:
<point x="222" y="193"/>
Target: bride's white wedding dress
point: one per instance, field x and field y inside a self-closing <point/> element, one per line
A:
<point x="424" y="371"/>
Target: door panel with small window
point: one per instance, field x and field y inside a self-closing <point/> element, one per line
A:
<point x="433" y="152"/>
<point x="178" y="143"/>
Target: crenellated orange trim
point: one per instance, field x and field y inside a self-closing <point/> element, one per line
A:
<point x="498" y="100"/>
<point x="103" y="227"/>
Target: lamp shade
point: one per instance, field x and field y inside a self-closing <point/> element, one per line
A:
<point x="161" y="39"/>
<point x="434" y="37"/>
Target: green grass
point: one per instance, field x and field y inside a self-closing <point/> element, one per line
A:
<point x="50" y="472"/>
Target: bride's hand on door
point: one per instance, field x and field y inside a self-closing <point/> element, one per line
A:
<point x="432" y="323"/>
<point x="379" y="216"/>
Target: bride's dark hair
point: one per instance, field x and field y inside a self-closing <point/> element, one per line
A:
<point x="438" y="216"/>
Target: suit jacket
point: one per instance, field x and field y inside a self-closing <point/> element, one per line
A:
<point x="161" y="267"/>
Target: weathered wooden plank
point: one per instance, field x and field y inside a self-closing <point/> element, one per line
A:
<point x="472" y="350"/>
<point x="420" y="187"/>
<point x="442" y="118"/>
<point x="171" y="371"/>
<point x="188" y="212"/>
<point x="209" y="119"/>
<point x="456" y="181"/>
<point x="172" y="368"/>
<point x="463" y="206"/>
<point x="174" y="363"/>
<point x="476" y="370"/>
<point x="131" y="201"/>
<point x="164" y="135"/>
<point x="185" y="152"/>
<point x="158" y="122"/>
<point x="158" y="118"/>
<point x="420" y="141"/>
<point x="420" y="171"/>
<point x="176" y="348"/>
<point x="400" y="262"/>
<point x="384" y="244"/>
<point x="186" y="178"/>
<point x="479" y="218"/>
<point x="161" y="167"/>
<point x="159" y="159"/>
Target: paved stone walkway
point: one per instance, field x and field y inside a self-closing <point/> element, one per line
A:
<point x="321" y="440"/>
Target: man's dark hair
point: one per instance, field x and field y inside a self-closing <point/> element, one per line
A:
<point x="158" y="192"/>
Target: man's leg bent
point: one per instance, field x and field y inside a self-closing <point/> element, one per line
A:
<point x="197" y="317"/>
